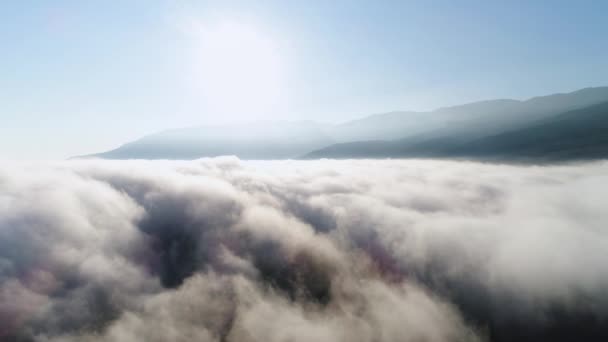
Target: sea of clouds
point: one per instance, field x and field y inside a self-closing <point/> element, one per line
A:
<point x="362" y="250"/>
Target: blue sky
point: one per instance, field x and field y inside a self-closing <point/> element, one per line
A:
<point x="85" y="76"/>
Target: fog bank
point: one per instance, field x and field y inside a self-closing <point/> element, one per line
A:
<point x="367" y="250"/>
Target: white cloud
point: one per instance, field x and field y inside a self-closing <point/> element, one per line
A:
<point x="219" y="249"/>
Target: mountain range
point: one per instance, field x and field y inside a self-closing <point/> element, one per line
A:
<point x="555" y="127"/>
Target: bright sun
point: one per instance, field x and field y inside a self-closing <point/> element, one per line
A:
<point x="240" y="71"/>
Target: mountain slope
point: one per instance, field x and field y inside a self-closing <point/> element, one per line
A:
<point x="473" y="119"/>
<point x="419" y="133"/>
<point x="577" y="134"/>
<point x="261" y="140"/>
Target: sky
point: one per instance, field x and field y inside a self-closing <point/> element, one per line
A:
<point x="80" y="77"/>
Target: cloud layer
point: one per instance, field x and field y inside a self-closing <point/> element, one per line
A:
<point x="367" y="250"/>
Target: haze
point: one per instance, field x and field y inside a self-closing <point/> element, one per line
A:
<point x="104" y="73"/>
<point x="295" y="171"/>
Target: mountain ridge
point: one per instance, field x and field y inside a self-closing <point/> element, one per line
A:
<point x="576" y="134"/>
<point x="286" y="139"/>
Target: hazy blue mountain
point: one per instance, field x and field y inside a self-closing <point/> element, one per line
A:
<point x="391" y="134"/>
<point x="393" y="125"/>
<point x="577" y="134"/>
<point x="476" y="119"/>
<point x="260" y="140"/>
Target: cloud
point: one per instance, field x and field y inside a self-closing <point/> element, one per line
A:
<point x="366" y="250"/>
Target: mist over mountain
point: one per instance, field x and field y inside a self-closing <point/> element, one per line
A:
<point x="475" y="118"/>
<point x="578" y="134"/>
<point x="259" y="140"/>
<point x="454" y="131"/>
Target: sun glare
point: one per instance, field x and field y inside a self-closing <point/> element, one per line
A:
<point x="239" y="70"/>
